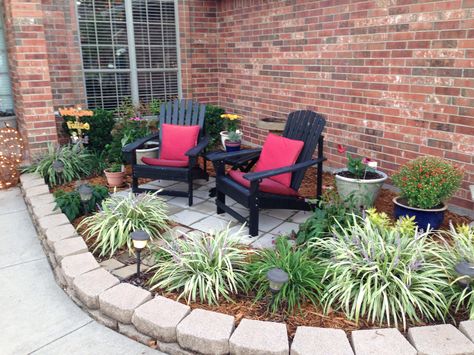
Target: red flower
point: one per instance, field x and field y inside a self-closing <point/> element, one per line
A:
<point x="341" y="149"/>
<point x="366" y="160"/>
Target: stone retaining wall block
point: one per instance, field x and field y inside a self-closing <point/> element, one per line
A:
<point x="320" y="341"/>
<point x="75" y="265"/>
<point x="71" y="246"/>
<point x="90" y="285"/>
<point x="381" y="341"/>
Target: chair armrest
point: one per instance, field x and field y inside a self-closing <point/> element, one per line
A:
<point x="198" y="148"/>
<point x="131" y="147"/>
<point x="224" y="155"/>
<point x="286" y="169"/>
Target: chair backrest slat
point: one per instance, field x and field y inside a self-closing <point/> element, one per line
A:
<point x="183" y="112"/>
<point x="306" y="126"/>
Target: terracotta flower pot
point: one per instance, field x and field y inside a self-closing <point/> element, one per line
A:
<point x="114" y="179"/>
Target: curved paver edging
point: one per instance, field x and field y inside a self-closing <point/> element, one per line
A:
<point x="132" y="311"/>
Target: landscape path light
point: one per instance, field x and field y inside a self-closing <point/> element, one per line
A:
<point x="85" y="193"/>
<point x="58" y="167"/>
<point x="277" y="278"/>
<point x="140" y="240"/>
<point x="466" y="270"/>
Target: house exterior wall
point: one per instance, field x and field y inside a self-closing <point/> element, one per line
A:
<point x="395" y="79"/>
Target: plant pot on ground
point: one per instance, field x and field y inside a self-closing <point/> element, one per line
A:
<point x="425" y="184"/>
<point x="150" y="150"/>
<point x="359" y="182"/>
<point x="115" y="175"/>
<point x="233" y="142"/>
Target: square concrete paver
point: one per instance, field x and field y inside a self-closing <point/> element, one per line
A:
<point x="127" y="271"/>
<point x="187" y="217"/>
<point x="267" y="223"/>
<point x="212" y="223"/>
<point x="301" y="217"/>
<point x="267" y="241"/>
<point x="111" y="264"/>
<point x="206" y="207"/>
<point x="286" y="228"/>
<point x="183" y="201"/>
<point x="281" y="214"/>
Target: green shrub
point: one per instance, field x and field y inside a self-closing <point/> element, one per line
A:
<point x="120" y="215"/>
<point x="70" y="202"/>
<point x="76" y="160"/>
<point x="426" y="182"/>
<point x="205" y="267"/>
<point x="304" y="272"/>
<point x="214" y="124"/>
<point x="386" y="273"/>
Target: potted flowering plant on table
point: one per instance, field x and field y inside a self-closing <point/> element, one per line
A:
<point x="425" y="184"/>
<point x="231" y="122"/>
<point x="233" y="142"/>
<point x="359" y="182"/>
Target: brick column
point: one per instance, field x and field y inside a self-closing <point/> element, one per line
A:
<point x="31" y="83"/>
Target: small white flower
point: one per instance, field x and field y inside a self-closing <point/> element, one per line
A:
<point x="372" y="164"/>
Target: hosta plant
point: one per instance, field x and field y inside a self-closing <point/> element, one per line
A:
<point x="207" y="267"/>
<point x="76" y="161"/>
<point x="304" y="273"/>
<point x="383" y="272"/>
<point x="120" y="215"/>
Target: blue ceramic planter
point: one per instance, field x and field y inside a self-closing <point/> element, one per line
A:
<point x="423" y="218"/>
<point x="232" y="146"/>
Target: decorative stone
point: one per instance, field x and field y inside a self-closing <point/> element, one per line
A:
<point x="159" y="318"/>
<point x="45" y="210"/>
<point x="71" y="246"/>
<point x="133" y="333"/>
<point x="62" y="232"/>
<point x="206" y="332"/>
<point x="111" y="264"/>
<point x="52" y="221"/>
<point x="90" y="285"/>
<point x="120" y="301"/>
<point x="259" y="338"/>
<point x="467" y="327"/>
<point x="381" y="341"/>
<point x="443" y="339"/>
<point x="320" y="341"/>
<point x="36" y="190"/>
<point x="75" y="265"/>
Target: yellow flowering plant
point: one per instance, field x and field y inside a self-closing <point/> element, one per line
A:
<point x="231" y="121"/>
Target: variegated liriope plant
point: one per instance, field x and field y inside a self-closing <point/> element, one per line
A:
<point x="386" y="273"/>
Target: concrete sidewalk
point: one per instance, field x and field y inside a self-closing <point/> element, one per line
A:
<point x="36" y="316"/>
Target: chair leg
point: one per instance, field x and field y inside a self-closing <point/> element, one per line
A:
<point x="253" y="219"/>
<point x="190" y="192"/>
<point x="134" y="184"/>
<point x="221" y="198"/>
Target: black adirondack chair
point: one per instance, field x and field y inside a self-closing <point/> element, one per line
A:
<point x="305" y="126"/>
<point x="177" y="112"/>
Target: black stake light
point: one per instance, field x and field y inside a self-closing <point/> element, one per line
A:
<point x="466" y="271"/>
<point x="85" y="193"/>
<point x="140" y="239"/>
<point x="276" y="279"/>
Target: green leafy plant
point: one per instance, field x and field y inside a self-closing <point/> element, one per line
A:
<point x="331" y="211"/>
<point x="76" y="161"/>
<point x="214" y="124"/>
<point x="384" y="272"/>
<point x="426" y="182"/>
<point x="120" y="215"/>
<point x="115" y="168"/>
<point x="98" y="162"/>
<point x="202" y="266"/>
<point x="233" y="136"/>
<point x="154" y="107"/>
<point x="304" y="272"/>
<point x="70" y="202"/>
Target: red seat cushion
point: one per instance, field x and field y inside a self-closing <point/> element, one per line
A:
<point x="267" y="185"/>
<point x="278" y="152"/>
<point x="176" y="140"/>
<point x="165" y="162"/>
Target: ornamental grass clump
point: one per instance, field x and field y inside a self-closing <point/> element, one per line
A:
<point x="207" y="267"/>
<point x="303" y="270"/>
<point x="427" y="182"/>
<point x="120" y="215"/>
<point x="388" y="274"/>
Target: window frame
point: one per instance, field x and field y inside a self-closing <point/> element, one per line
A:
<point x="134" y="71"/>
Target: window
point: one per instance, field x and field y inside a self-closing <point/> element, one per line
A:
<point x="129" y="49"/>
<point x="6" y="99"/>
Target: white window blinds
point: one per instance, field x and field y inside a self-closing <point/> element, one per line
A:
<point x="6" y="99"/>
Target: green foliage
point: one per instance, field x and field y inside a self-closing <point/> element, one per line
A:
<point x="233" y="136"/>
<point x="98" y="162"/>
<point x="155" y="107"/>
<point x="384" y="272"/>
<point x="70" y="202"/>
<point x="332" y="211"/>
<point x="304" y="272"/>
<point x="76" y="160"/>
<point x="214" y="124"/>
<point x="357" y="167"/>
<point x="205" y="267"/>
<point x="115" y="168"/>
<point x="426" y="182"/>
<point x="120" y="215"/>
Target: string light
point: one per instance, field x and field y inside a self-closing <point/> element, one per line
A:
<point x="11" y="153"/>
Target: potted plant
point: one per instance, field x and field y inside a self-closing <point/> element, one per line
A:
<point x="231" y="122"/>
<point x="233" y="141"/>
<point x="359" y="182"/>
<point x="115" y="175"/>
<point x="425" y="184"/>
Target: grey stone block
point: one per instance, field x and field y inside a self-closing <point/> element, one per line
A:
<point x="467" y="328"/>
<point x="320" y="341"/>
<point x="52" y="221"/>
<point x="90" y="285"/>
<point x="254" y="337"/>
<point x="71" y="246"/>
<point x="75" y="265"/>
<point x="381" y="341"/>
<point x="111" y="264"/>
<point x="34" y="181"/>
<point x="25" y="177"/>
<point x="159" y="318"/>
<point x="442" y="339"/>
<point x="103" y="319"/>
<point x="39" y="200"/>
<point x="127" y="271"/>
<point x="45" y="210"/>
<point x="120" y="301"/>
<point x="58" y="275"/>
<point x="130" y="331"/>
<point x="62" y="232"/>
<point x="172" y="349"/>
<point x="206" y="332"/>
<point x="36" y="190"/>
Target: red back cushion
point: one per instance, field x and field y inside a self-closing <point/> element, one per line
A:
<point x="278" y="152"/>
<point x="176" y="140"/>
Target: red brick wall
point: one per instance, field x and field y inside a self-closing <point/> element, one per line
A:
<point x="395" y="81"/>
